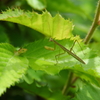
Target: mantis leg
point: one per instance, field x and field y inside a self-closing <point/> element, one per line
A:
<point x="57" y="56"/>
<point x="73" y="45"/>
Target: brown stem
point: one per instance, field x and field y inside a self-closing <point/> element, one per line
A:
<point x="94" y="24"/>
<point x="67" y="84"/>
<point x="92" y="29"/>
<point x="70" y="80"/>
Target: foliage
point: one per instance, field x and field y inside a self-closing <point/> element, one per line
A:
<point x="26" y="63"/>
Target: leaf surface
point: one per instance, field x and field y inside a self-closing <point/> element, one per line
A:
<point x="12" y="67"/>
<point x="43" y="59"/>
<point x="37" y="4"/>
<point x="55" y="27"/>
<point x="88" y="92"/>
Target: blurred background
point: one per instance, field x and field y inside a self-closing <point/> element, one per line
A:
<point x="80" y="12"/>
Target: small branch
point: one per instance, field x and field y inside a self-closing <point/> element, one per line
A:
<point x="94" y="24"/>
<point x="74" y="80"/>
<point x="68" y="83"/>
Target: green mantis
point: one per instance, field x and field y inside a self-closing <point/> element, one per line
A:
<point x="68" y="51"/>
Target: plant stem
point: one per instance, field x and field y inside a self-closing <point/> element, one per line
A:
<point x="94" y="24"/>
<point x="86" y="41"/>
<point x="68" y="83"/>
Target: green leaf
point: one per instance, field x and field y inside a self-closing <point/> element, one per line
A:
<point x="89" y="78"/>
<point x="67" y="6"/>
<point x="43" y="92"/>
<point x="43" y="59"/>
<point x="55" y="27"/>
<point x="12" y="67"/>
<point x="88" y="92"/>
<point x="37" y="4"/>
<point x="32" y="75"/>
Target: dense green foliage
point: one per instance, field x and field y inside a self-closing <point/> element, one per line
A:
<point x="27" y="64"/>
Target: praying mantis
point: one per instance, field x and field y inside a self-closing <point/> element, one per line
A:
<point x="66" y="50"/>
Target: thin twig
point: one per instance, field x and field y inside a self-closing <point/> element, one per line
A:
<point x="67" y="84"/>
<point x="94" y="24"/>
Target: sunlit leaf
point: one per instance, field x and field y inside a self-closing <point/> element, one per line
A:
<point x="43" y="59"/>
<point x="12" y="67"/>
<point x="55" y="27"/>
